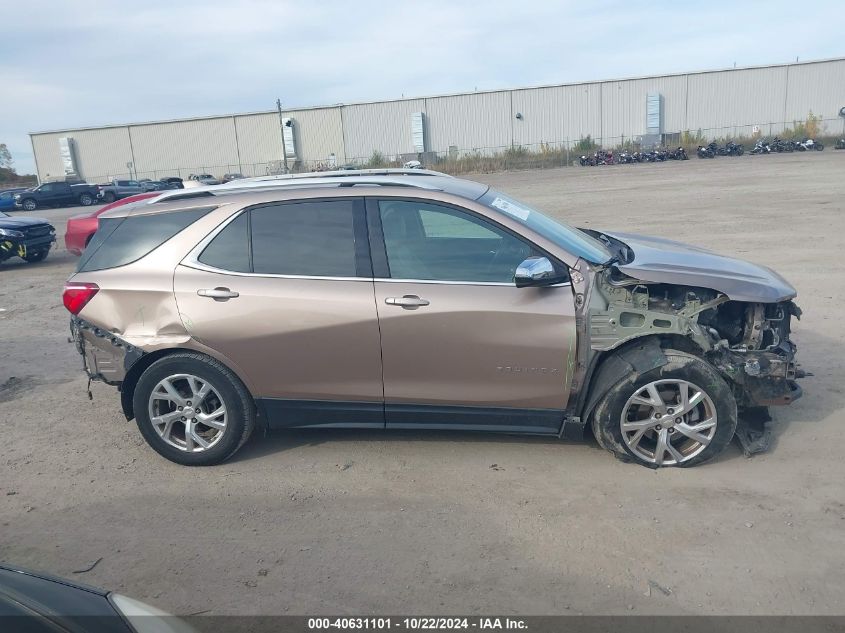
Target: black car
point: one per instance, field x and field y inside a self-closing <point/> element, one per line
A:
<point x="56" y="194"/>
<point x="28" y="238"/>
<point x="35" y="602"/>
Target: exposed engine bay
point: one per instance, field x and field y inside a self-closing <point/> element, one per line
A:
<point x="747" y="342"/>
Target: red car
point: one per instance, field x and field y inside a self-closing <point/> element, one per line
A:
<point x="81" y="227"/>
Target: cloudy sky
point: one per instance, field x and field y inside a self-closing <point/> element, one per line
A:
<point x="88" y="62"/>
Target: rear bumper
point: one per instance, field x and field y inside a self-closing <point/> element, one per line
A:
<point x="105" y="357"/>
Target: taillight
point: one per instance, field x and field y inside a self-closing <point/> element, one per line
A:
<point x="77" y="295"/>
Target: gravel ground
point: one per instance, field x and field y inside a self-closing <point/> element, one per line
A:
<point x="365" y="522"/>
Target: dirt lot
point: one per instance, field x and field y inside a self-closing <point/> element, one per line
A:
<point x="391" y="522"/>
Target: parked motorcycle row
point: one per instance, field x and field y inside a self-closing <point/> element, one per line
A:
<point x="608" y="157"/>
<point x="712" y="150"/>
<point x="777" y="145"/>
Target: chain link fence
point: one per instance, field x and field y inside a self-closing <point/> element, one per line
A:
<point x="544" y="155"/>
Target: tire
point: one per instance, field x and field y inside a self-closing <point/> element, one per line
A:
<point x="225" y="386"/>
<point x="86" y="200"/>
<point x="718" y="405"/>
<point x="109" y="197"/>
<point x="29" y="204"/>
<point x="819" y="147"/>
<point x="37" y="256"/>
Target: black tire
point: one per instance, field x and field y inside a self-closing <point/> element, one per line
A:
<point x="86" y="199"/>
<point x="607" y="416"/>
<point x="37" y="256"/>
<point x="240" y="407"/>
<point x="29" y="204"/>
<point x="109" y="197"/>
<point x="819" y="147"/>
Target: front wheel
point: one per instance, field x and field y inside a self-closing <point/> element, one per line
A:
<point x="37" y="256"/>
<point x="109" y="197"/>
<point x="819" y="147"/>
<point x="86" y="200"/>
<point x="29" y="204"/>
<point x="680" y="414"/>
<point x="193" y="410"/>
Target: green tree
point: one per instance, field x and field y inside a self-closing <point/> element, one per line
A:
<point x="5" y="157"/>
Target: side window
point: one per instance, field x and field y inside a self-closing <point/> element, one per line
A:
<point x="432" y="242"/>
<point x="121" y="241"/>
<point x="48" y="188"/>
<point x="304" y="238"/>
<point x="132" y="183"/>
<point x="229" y="250"/>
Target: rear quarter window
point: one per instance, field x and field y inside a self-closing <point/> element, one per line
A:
<point x="121" y="241"/>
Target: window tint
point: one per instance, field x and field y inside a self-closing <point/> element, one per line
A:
<point x="305" y="238"/>
<point x="120" y="241"/>
<point x="229" y="250"/>
<point x="427" y="241"/>
<point x="46" y="188"/>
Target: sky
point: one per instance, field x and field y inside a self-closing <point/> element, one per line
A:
<point x="81" y="63"/>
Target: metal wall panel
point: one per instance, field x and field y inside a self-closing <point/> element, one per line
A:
<point x="559" y="115"/>
<point x="100" y="153"/>
<point x="259" y="142"/>
<point x="471" y="121"/>
<point x="318" y="133"/>
<point x="195" y="146"/>
<point x="818" y="87"/>
<point x="623" y="105"/>
<point x="721" y="101"/>
<point x="385" y="127"/>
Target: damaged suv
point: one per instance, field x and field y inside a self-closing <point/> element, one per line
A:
<point x="414" y="300"/>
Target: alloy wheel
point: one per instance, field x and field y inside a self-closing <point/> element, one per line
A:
<point x="668" y="422"/>
<point x="187" y="412"/>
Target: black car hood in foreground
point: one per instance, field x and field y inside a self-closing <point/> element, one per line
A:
<point x="20" y="223"/>
<point x="665" y="261"/>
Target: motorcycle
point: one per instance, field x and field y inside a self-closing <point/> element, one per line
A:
<point x="734" y="149"/>
<point x="840" y="144"/>
<point x="779" y="145"/>
<point x="808" y="144"/>
<point x="762" y="147"/>
<point x="706" y="152"/>
<point x="678" y="154"/>
<point x="587" y="161"/>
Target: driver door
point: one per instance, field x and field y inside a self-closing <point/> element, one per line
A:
<point x="462" y="346"/>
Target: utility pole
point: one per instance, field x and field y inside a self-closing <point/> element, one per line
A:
<point x="282" y="130"/>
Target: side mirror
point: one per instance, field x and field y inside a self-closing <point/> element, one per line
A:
<point x="536" y="271"/>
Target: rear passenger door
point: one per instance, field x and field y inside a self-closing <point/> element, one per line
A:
<point x="284" y="293"/>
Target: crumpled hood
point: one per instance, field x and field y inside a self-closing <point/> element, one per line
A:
<point x="666" y="261"/>
<point x="20" y="222"/>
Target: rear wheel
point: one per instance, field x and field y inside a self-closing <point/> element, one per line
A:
<point x="86" y="200"/>
<point x="680" y="414"/>
<point x="193" y="410"/>
<point x="29" y="204"/>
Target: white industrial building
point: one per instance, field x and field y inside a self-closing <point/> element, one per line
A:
<point x="721" y="103"/>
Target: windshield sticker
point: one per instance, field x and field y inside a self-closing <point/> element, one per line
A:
<point x="511" y="209"/>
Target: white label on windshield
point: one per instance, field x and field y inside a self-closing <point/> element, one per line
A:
<point x="511" y="209"/>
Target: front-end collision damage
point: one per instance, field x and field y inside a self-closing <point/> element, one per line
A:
<point x="747" y="342"/>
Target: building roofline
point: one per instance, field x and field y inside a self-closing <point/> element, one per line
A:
<point x="290" y="111"/>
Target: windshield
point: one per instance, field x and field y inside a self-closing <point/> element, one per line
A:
<point x="568" y="238"/>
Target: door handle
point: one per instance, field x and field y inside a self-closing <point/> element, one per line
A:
<point x="408" y="302"/>
<point x="218" y="294"/>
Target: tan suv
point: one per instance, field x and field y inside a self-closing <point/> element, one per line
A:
<point x="413" y="300"/>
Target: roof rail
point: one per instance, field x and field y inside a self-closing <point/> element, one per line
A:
<point x="356" y="179"/>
